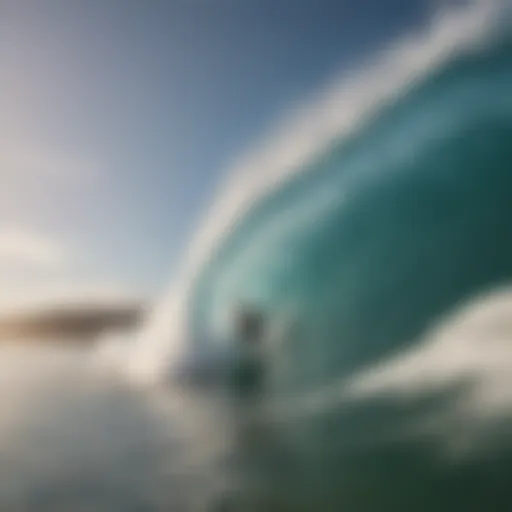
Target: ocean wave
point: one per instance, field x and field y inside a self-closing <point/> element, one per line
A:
<point x="374" y="210"/>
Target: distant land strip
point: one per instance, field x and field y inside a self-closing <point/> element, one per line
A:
<point x="81" y="324"/>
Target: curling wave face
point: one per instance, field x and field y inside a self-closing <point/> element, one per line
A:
<point x="383" y="233"/>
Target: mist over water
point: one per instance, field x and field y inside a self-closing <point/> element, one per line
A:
<point x="75" y="439"/>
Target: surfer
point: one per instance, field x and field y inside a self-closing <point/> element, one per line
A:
<point x="249" y="327"/>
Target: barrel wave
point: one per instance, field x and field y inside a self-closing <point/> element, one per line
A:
<point x="382" y="234"/>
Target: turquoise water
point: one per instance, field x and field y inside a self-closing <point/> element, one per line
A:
<point x="385" y="232"/>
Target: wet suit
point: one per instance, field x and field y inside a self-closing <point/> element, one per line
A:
<point x="248" y="370"/>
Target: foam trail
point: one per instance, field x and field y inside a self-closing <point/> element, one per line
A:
<point x="471" y="343"/>
<point x="337" y="112"/>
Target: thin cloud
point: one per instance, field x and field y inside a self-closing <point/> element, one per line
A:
<point x="23" y="248"/>
<point x="38" y="271"/>
<point x="24" y="160"/>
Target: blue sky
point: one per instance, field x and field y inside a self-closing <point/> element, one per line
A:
<point x="119" y="117"/>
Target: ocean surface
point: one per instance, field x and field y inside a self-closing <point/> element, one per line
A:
<point x="382" y="266"/>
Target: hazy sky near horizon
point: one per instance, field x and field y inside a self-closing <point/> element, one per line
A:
<point x="118" y="118"/>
